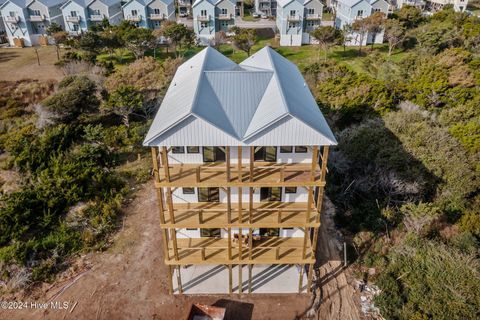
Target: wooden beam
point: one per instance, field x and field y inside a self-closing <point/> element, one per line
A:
<point x="239" y="164"/>
<point x="300" y="280"/>
<point x="314" y="163"/>
<point x="309" y="279"/>
<point x="155" y="163"/>
<point x="250" y="204"/>
<point x="230" y="279"/>
<point x="173" y="236"/>
<point x="179" y="280"/>
<point x="252" y="163"/>
<point x="165" y="163"/>
<point x="229" y="244"/>
<point x="305" y="239"/>
<point x="250" y="267"/>
<point x="309" y="204"/>
<point x="240" y="284"/>
<point x="324" y="163"/>
<point x="229" y="205"/>
<point x="227" y="163"/>
<point x="169" y="279"/>
<point x="170" y="205"/>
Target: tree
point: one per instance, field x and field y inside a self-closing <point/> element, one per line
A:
<point x="327" y="36"/>
<point x="178" y="34"/>
<point x="75" y="97"/>
<point x="375" y="24"/>
<point x="410" y="16"/>
<point x="394" y="33"/>
<point x="220" y="38"/>
<point x="361" y="27"/>
<point x="53" y="28"/>
<point x="123" y="101"/>
<point x="138" y="40"/>
<point x="244" y="39"/>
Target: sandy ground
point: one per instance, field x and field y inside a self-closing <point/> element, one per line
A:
<point x="21" y="63"/>
<point x="128" y="282"/>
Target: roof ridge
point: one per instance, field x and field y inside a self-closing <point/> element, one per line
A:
<point x="276" y="77"/>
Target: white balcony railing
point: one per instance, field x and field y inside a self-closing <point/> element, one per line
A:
<point x="10" y="19"/>
<point x="134" y="18"/>
<point x="74" y="19"/>
<point x="96" y="17"/>
<point x="225" y="16"/>
<point x="37" y="18"/>
<point x="293" y="17"/>
<point x="158" y="16"/>
<point x="203" y="18"/>
<point x="313" y="16"/>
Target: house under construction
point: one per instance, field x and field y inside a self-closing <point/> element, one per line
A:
<point x="240" y="157"/>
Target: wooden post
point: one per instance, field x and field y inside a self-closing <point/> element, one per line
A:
<point x="252" y="162"/>
<point x="300" y="280"/>
<point x="229" y="244"/>
<point x="179" y="280"/>
<point x="197" y="174"/>
<point x="314" y="163"/>
<point x="239" y="164"/>
<point x="240" y="284"/>
<point x="227" y="162"/>
<point x="170" y="205"/>
<point x="230" y="279"/>
<point x="309" y="204"/>
<point x="250" y="205"/>
<point x="174" y="241"/>
<point x="229" y="205"/>
<point x="324" y="162"/>
<point x="169" y="279"/>
<point x="309" y="279"/>
<point x="305" y="238"/>
<point x="250" y="267"/>
<point x="165" y="163"/>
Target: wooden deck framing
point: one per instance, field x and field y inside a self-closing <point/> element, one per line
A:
<point x="240" y="249"/>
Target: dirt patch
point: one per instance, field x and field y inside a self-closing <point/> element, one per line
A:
<point x="21" y="63"/>
<point x="129" y="282"/>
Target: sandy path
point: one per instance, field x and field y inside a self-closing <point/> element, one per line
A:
<point x="337" y="294"/>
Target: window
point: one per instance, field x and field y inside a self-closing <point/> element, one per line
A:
<point x="208" y="194"/>
<point x="134" y="13"/>
<point x="283" y="229"/>
<point x="203" y="24"/>
<point x="214" y="232"/>
<point x="300" y="149"/>
<point x="292" y="25"/>
<point x="178" y="149"/>
<point x="96" y="12"/>
<point x="11" y="14"/>
<point x="376" y="10"/>
<point x="286" y="149"/>
<point x="265" y="154"/>
<point x="270" y="194"/>
<point x="269" y="232"/>
<point x="360" y="13"/>
<point x="35" y="12"/>
<point x="290" y="189"/>
<point x="213" y="154"/>
<point x="73" y="13"/>
<point x="188" y="190"/>
<point x="311" y="11"/>
<point x="292" y="13"/>
<point x="193" y="149"/>
<point x="194" y="229"/>
<point x="156" y="11"/>
<point x="224" y="11"/>
<point x="75" y="27"/>
<point x="203" y="13"/>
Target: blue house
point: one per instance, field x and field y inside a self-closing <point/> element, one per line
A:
<point x="296" y="19"/>
<point x="212" y="16"/>
<point x="29" y="20"/>
<point x="149" y="13"/>
<point x="348" y="11"/>
<point x="79" y="15"/>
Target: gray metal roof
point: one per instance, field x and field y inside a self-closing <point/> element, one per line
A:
<point x="241" y="103"/>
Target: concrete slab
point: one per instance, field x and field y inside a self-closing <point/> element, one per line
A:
<point x="265" y="279"/>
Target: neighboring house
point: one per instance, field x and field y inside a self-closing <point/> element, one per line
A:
<point x="437" y="5"/>
<point x="414" y="3"/>
<point x="212" y="16"/>
<point x="184" y="8"/>
<point x="79" y="15"/>
<point x="266" y="7"/>
<point x="241" y="180"/>
<point x="30" y="19"/>
<point x="149" y="13"/>
<point x="348" y="11"/>
<point x="296" y="18"/>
